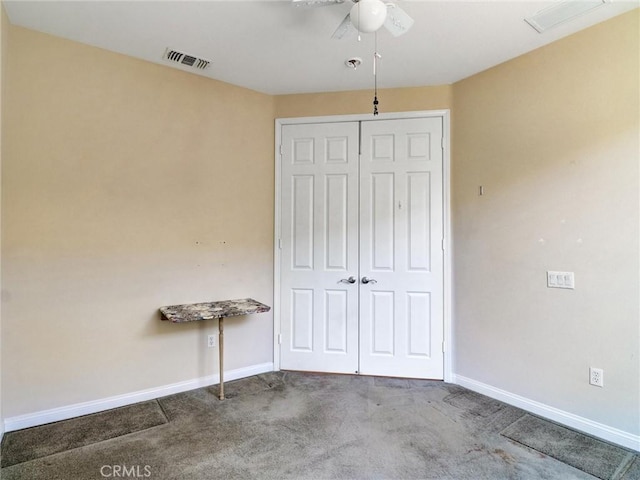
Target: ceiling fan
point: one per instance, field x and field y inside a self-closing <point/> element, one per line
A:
<point x="366" y="16"/>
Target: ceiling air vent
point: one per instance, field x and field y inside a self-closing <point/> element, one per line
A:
<point x="185" y="59"/>
<point x="562" y="12"/>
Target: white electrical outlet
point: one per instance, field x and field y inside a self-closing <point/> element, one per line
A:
<point x="211" y="341"/>
<point x="596" y="377"/>
<point x="561" y="280"/>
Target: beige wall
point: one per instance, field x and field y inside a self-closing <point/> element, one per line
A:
<point x="126" y="186"/>
<point x="361" y="101"/>
<point x="553" y="138"/>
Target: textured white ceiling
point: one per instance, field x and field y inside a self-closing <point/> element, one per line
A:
<point x="277" y="48"/>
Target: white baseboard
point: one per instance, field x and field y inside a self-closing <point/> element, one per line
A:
<point x="604" y="432"/>
<point x="86" y="408"/>
<point x="585" y="425"/>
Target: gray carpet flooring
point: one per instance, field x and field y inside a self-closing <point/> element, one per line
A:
<point x="33" y="443"/>
<point x="287" y="425"/>
<point x="591" y="455"/>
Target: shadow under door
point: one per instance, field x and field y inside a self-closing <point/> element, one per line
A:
<point x="361" y="247"/>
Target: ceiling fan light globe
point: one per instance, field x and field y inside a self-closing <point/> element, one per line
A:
<point x="368" y="15"/>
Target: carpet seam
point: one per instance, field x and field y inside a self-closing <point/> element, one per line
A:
<point x="167" y="422"/>
<point x="589" y="435"/>
<point x="84" y="446"/>
<point x="528" y="447"/>
<point x="624" y="467"/>
<point x="617" y="474"/>
<point x="164" y="413"/>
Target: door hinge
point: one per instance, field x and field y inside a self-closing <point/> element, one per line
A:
<point x="442" y="245"/>
<point x="280" y="243"/>
<point x="279" y="339"/>
<point x="443" y="348"/>
<point x="280" y="149"/>
<point x="441" y="142"/>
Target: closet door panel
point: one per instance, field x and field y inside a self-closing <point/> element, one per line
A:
<point x="319" y="238"/>
<point x="401" y="259"/>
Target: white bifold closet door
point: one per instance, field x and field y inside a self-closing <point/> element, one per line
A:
<point x="361" y="247"/>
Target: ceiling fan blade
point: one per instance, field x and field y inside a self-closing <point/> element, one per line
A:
<point x="315" y="3"/>
<point x="397" y="21"/>
<point x="345" y="29"/>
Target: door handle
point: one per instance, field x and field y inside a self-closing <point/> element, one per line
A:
<point x="366" y="280"/>
<point x="351" y="279"/>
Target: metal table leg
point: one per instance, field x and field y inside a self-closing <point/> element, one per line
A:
<point x="221" y="354"/>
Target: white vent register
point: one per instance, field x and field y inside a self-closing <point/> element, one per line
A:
<point x="185" y="59"/>
<point x="562" y="12"/>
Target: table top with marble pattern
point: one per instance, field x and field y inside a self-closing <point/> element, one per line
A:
<point x="206" y="311"/>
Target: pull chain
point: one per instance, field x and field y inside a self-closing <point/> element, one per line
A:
<point x="359" y="37"/>
<point x="376" y="56"/>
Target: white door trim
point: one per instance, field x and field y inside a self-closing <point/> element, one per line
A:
<point x="447" y="241"/>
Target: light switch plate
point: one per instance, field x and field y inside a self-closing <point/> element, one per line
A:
<point x="560" y="280"/>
